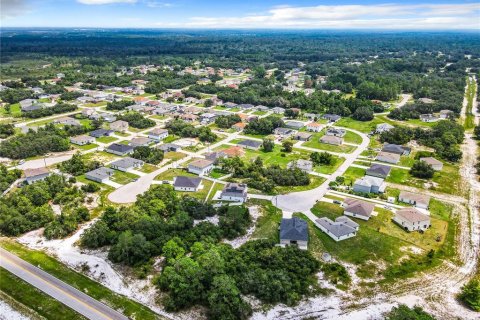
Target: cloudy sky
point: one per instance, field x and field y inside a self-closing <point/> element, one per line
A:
<point x="299" y="14"/>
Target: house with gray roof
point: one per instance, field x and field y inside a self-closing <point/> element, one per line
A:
<point x="383" y="127"/>
<point x="294" y="124"/>
<point x="357" y="208"/>
<point x="378" y="170"/>
<point x="126" y="164"/>
<point x="200" y="166"/>
<point x="302" y="136"/>
<point x="187" y="184"/>
<point x="304" y="165"/>
<point x="278" y="110"/>
<point x="284" y="132"/>
<point x="27" y="103"/>
<point x="140" y="142"/>
<point x="119" y="149"/>
<point x="369" y="184"/>
<point x="436" y="165"/>
<point x="101" y="133"/>
<point x="158" y="134"/>
<point x="250" y="144"/>
<point x="82" y="140"/>
<point x="333" y="140"/>
<point x="169" y="147"/>
<point x="101" y="174"/>
<point x="388" y="157"/>
<point x="294" y="231"/>
<point x="418" y="200"/>
<point x="331" y="117"/>
<point x="37" y="174"/>
<point x="336" y="132"/>
<point x="67" y="121"/>
<point x="395" y="148"/>
<point x="340" y="229"/>
<point x="234" y="192"/>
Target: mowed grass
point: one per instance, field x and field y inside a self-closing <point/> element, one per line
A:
<point x="171" y="173"/>
<point x="85" y="147"/>
<point x="352" y="174"/>
<point x="14" y="111"/>
<point x="148" y="168"/>
<point x="316" y="144"/>
<point x="106" y="139"/>
<point x="174" y="156"/>
<point x="123" y="177"/>
<point x="94" y="289"/>
<point x="352" y="137"/>
<point x="331" y="168"/>
<point x="362" y="126"/>
<point x="29" y="296"/>
<point x="315" y="181"/>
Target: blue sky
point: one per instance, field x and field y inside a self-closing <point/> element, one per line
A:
<point x="371" y="14"/>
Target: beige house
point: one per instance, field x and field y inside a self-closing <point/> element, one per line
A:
<point x="418" y="200"/>
<point x="411" y="219"/>
<point x="331" y="140"/>
<point x="436" y="165"/>
<point x="119" y="126"/>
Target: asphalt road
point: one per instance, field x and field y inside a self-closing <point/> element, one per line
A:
<point x="71" y="297"/>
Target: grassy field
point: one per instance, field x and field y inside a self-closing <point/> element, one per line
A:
<point x="174" y="156"/>
<point x="381" y="239"/>
<point x="470" y="95"/>
<point x="171" y="173"/>
<point x="315" y="143"/>
<point x="100" y="156"/>
<point x="352" y="137"/>
<point x="329" y="169"/>
<point x="362" y="126"/>
<point x="123" y="177"/>
<point x="352" y="174"/>
<point x="267" y="224"/>
<point x="315" y="181"/>
<point x="94" y="289"/>
<point x="15" y="111"/>
<point x="216" y="173"/>
<point x="259" y="113"/>
<point x="85" y="147"/>
<point x="446" y="181"/>
<point x="34" y="299"/>
<point x="148" y="168"/>
<point x="106" y="139"/>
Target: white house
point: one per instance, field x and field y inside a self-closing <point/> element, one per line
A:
<point x="119" y="126"/>
<point x="412" y="220"/>
<point x="357" y="208"/>
<point x="82" y="140"/>
<point x="294" y="231"/>
<point x="33" y="175"/>
<point x="418" y="200"/>
<point x="314" y="127"/>
<point x="340" y="229"/>
<point x="236" y="192"/>
<point x="436" y="165"/>
<point x="187" y="184"/>
<point x="200" y="167"/>
<point x="158" y="134"/>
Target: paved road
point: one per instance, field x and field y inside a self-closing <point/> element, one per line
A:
<point x="75" y="299"/>
<point x="303" y="201"/>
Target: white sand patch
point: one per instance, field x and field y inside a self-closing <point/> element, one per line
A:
<point x="412" y="249"/>
<point x="213" y="219"/>
<point x="8" y="313"/>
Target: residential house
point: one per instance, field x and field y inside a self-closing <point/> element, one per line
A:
<point x="33" y="175"/>
<point x="126" y="164"/>
<point x="304" y="165"/>
<point x="239" y="126"/>
<point x="311" y="116"/>
<point x="278" y="110"/>
<point x="233" y="151"/>
<point x="383" y="127"/>
<point x="200" y="167"/>
<point x="215" y="156"/>
<point x="333" y="140"/>
<point x="246" y="106"/>
<point x="119" y="126"/>
<point x="250" y="144"/>
<point x="395" y="148"/>
<point x="357" y="208"/>
<point x="32" y="107"/>
<point x="101" y="133"/>
<point x="188" y="117"/>
<point x="369" y="184"/>
<point x="230" y="105"/>
<point x="140" y="142"/>
<point x="82" y="140"/>
<point x="284" y="132"/>
<point x="331" y="117"/>
<point x="336" y="132"/>
<point x="236" y="192"/>
<point x="411" y="219"/>
<point x="294" y="124"/>
<point x="101" y="174"/>
<point x="418" y="200"/>
<point x="302" y="136"/>
<point x="262" y="108"/>
<point x="378" y="170"/>
<point x="140" y="100"/>
<point x="27" y="103"/>
<point x="428" y="117"/>
<point x="169" y="147"/>
<point x="119" y="149"/>
<point x="315" y="127"/>
<point x="425" y="100"/>
<point x="158" y="134"/>
<point x="388" y="157"/>
<point x="207" y="117"/>
<point x="444" y="114"/>
<point x="436" y="165"/>
<point x="187" y="184"/>
<point x="340" y="229"/>
<point x="67" y="121"/>
<point x="294" y="231"/>
<point x="87" y="112"/>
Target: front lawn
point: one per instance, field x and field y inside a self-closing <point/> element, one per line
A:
<point x="148" y="168"/>
<point x="315" y="181"/>
<point x="352" y="137"/>
<point x="174" y="156"/>
<point x="123" y="177"/>
<point x="362" y="126"/>
<point x="352" y="174"/>
<point x="106" y="139"/>
<point x="85" y="147"/>
<point x="331" y="168"/>
<point x="171" y="173"/>
<point x="275" y="156"/>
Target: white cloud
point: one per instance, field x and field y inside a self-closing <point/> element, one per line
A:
<point x="378" y="16"/>
<point x="157" y="4"/>
<point x="13" y="8"/>
<point x="98" y="2"/>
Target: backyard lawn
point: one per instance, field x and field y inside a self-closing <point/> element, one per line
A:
<point x="89" y="146"/>
<point x="148" y="168"/>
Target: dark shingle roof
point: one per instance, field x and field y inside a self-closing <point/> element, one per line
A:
<point x="250" y="143"/>
<point x="378" y="169"/>
<point x="118" y="147"/>
<point x="187" y="182"/>
<point x="294" y="229"/>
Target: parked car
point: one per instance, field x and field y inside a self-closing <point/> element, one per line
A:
<point x="337" y="202"/>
